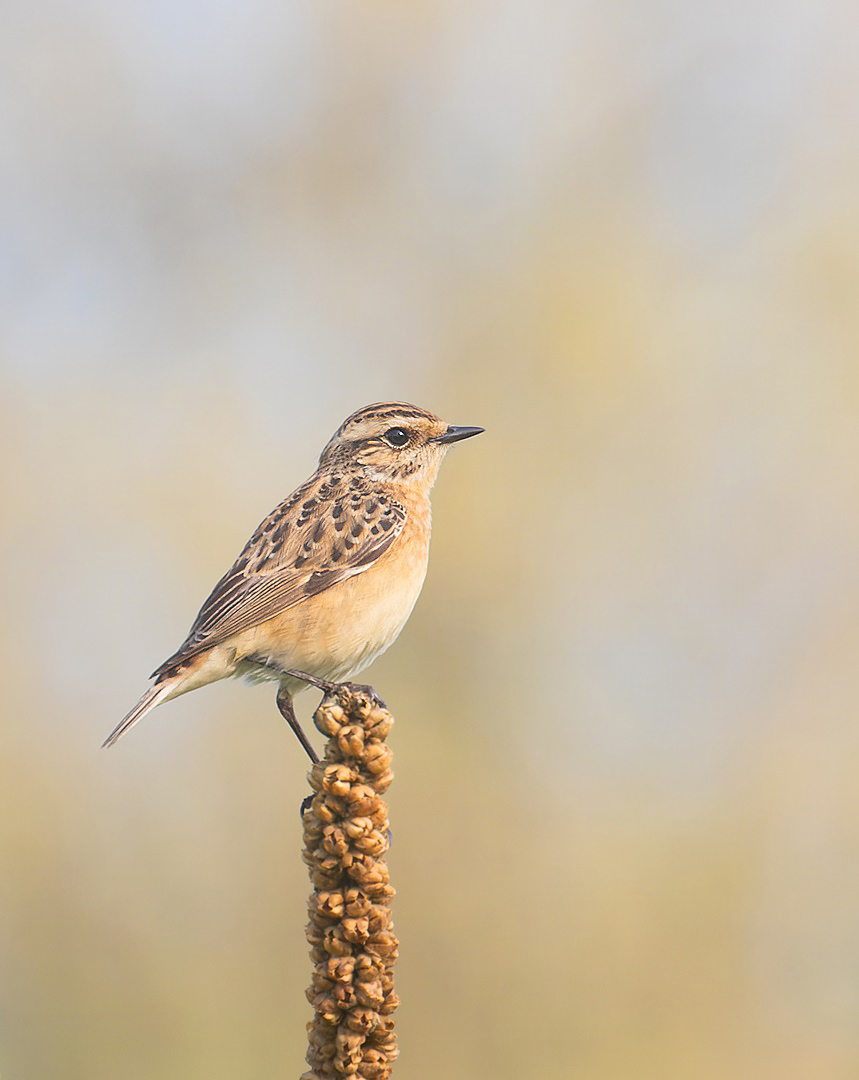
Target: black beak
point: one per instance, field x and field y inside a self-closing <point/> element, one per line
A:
<point x="454" y="434"/>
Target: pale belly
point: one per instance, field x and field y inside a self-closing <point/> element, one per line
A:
<point x="336" y="634"/>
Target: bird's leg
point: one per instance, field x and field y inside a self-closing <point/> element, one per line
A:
<point x="284" y="699"/>
<point x="313" y="680"/>
<point x="326" y="687"/>
<point x="284" y="703"/>
<point x="321" y="684"/>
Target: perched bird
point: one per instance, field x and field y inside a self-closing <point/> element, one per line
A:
<point x="329" y="578"/>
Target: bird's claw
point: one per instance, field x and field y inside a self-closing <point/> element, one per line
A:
<point x="328" y="687"/>
<point x="364" y="688"/>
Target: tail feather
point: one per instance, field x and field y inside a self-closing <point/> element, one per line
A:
<point x="149" y="700"/>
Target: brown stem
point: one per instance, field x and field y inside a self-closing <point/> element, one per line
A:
<point x="352" y="943"/>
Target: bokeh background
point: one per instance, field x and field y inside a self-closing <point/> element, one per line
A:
<point x="625" y="239"/>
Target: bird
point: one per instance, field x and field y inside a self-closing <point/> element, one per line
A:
<point x="329" y="578"/>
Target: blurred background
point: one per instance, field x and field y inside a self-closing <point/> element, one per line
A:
<point x="625" y="240"/>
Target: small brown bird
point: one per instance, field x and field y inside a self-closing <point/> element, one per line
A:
<point x="329" y="578"/>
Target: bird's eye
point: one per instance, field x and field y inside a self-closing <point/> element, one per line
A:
<point x="397" y="436"/>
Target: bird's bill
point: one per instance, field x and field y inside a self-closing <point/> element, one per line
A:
<point x="455" y="434"/>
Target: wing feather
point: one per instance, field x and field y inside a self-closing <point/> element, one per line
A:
<point x="311" y="542"/>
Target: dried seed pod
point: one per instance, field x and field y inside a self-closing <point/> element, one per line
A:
<point x="373" y="843"/>
<point x="377" y="757"/>
<point x="328" y="718"/>
<point x="352" y="943"/>
<point x="345" y="996"/>
<point x="341" y="968"/>
<point x="325" y="810"/>
<point x="364" y="870"/>
<point x="356" y="902"/>
<point x="363" y="800"/>
<point x="350" y="740"/>
<point x="336" y="778"/>
<point x="379" y="919"/>
<point x="356" y="930"/>
<point x="370" y="994"/>
<point x="383" y="780"/>
<point x="334" y="840"/>
<point x="390" y="1003"/>
<point x="363" y="1019"/>
<point x="335" y="941"/>
<point x="329" y="903"/>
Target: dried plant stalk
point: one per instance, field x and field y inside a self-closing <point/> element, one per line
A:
<point x="352" y="943"/>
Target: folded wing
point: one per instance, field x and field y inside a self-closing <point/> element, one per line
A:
<point x="305" y="546"/>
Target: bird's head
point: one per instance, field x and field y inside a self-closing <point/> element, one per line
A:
<point x="394" y="443"/>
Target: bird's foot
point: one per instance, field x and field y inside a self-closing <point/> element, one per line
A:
<point x="284" y="698"/>
<point x="364" y="688"/>
<point x="328" y="687"/>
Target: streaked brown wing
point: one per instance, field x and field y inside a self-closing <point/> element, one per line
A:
<point x="307" y="545"/>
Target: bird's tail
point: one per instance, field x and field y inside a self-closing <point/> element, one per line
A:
<point x="150" y="699"/>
